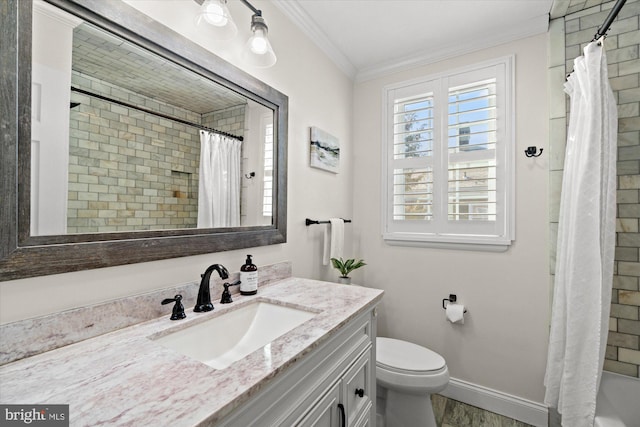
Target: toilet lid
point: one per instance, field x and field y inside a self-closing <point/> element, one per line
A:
<point x="402" y="355"/>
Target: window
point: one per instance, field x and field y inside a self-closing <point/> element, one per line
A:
<point x="448" y="159"/>
<point x="267" y="188"/>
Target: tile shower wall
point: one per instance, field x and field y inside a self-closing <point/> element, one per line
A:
<point x="130" y="170"/>
<point x="230" y="120"/>
<point x="573" y="31"/>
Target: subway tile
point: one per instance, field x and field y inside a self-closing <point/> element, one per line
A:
<point x="557" y="142"/>
<point x="593" y="21"/>
<point x="623" y="340"/>
<point x="107" y="197"/>
<point x="625" y="197"/>
<point x="555" y="190"/>
<point x="579" y="37"/>
<point x="628" y="81"/>
<point x="88" y="213"/>
<point x="631" y="109"/>
<point x="627" y="20"/>
<point x="629" y="356"/>
<point x="626" y="254"/>
<point x="629" y="268"/>
<point x="625" y="282"/>
<point x="613" y="324"/>
<point x="629" y="153"/>
<point x="626" y="326"/>
<point x="629" y="240"/>
<point x="622" y="311"/>
<point x="621" y="368"/>
<point x="629" y="297"/>
<point x="630" y="9"/>
<point x="629" y="124"/>
<point x="628" y="167"/>
<point x="628" y="211"/>
<point x="629" y="95"/>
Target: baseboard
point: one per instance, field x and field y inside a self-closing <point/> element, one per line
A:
<point x="501" y="403"/>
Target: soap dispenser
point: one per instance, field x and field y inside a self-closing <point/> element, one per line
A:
<point x="248" y="278"/>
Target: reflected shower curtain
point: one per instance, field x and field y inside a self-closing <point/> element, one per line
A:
<point x="586" y="243"/>
<point x="219" y="182"/>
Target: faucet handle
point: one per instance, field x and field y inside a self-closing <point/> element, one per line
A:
<point x="226" y="295"/>
<point x="178" y="309"/>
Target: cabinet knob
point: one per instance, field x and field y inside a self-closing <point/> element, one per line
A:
<point x="360" y="392"/>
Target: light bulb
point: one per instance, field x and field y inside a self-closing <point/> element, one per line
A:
<point x="259" y="43"/>
<point x="214" y="13"/>
<point x="258" y="50"/>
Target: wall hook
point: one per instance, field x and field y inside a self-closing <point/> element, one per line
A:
<point x="531" y="151"/>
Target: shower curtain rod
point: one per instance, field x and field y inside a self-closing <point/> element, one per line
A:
<point x="155" y="113"/>
<point x="602" y="31"/>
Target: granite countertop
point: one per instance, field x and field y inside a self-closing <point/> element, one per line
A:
<point x="126" y="378"/>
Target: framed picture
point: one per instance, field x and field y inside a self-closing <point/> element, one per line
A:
<point x="324" y="150"/>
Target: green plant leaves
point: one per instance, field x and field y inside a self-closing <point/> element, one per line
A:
<point x="346" y="267"/>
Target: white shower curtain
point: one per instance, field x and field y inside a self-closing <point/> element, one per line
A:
<point x="219" y="183"/>
<point x="586" y="243"/>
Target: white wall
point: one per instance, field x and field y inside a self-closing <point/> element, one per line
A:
<point x="325" y="102"/>
<point x="502" y="344"/>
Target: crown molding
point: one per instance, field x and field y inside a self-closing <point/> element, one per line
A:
<point x="293" y="11"/>
<point x="437" y="53"/>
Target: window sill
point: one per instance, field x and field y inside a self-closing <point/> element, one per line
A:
<point x="463" y="243"/>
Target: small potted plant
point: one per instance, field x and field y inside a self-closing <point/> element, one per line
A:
<point x="345" y="267"/>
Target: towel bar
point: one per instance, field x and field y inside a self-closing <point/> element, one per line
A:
<point x="308" y="221"/>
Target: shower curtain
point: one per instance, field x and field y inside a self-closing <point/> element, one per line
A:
<point x="219" y="181"/>
<point x="586" y="243"/>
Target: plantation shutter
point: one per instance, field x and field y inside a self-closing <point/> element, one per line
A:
<point x="449" y="158"/>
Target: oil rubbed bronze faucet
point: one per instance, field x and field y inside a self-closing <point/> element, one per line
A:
<point x="204" y="294"/>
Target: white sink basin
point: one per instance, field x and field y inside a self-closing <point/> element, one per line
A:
<point x="231" y="336"/>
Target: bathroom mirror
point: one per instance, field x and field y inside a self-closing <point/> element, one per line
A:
<point x="106" y="170"/>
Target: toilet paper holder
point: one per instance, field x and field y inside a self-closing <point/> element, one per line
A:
<point x="452" y="299"/>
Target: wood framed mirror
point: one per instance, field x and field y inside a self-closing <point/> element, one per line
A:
<point x="126" y="185"/>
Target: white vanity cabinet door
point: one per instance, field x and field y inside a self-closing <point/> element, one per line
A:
<point x="357" y="385"/>
<point x="325" y="413"/>
<point x="366" y="419"/>
<point x="346" y="403"/>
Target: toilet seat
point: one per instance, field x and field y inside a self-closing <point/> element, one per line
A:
<point x="408" y="367"/>
<point x="405" y="357"/>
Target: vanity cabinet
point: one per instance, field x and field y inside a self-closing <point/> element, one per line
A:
<point x="347" y="402"/>
<point x="332" y="386"/>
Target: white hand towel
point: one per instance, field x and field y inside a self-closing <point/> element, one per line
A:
<point x="333" y="240"/>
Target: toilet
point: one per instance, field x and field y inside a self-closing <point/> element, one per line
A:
<point x="406" y="376"/>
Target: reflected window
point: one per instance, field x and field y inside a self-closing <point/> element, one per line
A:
<point x="267" y="193"/>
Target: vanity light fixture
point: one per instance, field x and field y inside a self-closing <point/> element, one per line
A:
<point x="258" y="50"/>
<point x="216" y="13"/>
